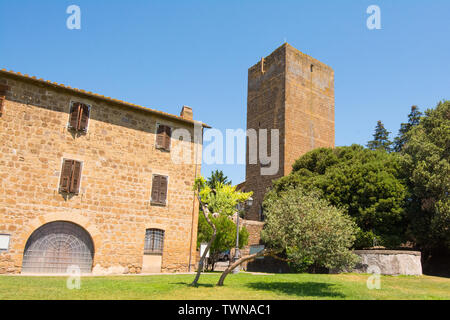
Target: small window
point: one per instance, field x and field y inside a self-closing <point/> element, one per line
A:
<point x="312" y="68"/>
<point x="4" y="242"/>
<point x="79" y="116"/>
<point x="159" y="189"/>
<point x="163" y="137"/>
<point x="70" y="176"/>
<point x="154" y="241"/>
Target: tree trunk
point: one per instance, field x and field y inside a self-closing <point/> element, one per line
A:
<point x="203" y="257"/>
<point x="238" y="262"/>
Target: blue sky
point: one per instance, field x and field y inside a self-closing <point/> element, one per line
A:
<point x="165" y="54"/>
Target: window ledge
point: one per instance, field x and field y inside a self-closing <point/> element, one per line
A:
<point x="69" y="193"/>
<point x="159" y="204"/>
<point x="162" y="149"/>
<point x="153" y="253"/>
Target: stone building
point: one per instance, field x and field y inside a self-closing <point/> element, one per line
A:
<point x="293" y="93"/>
<point x="94" y="182"/>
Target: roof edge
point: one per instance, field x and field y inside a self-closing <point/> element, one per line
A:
<point x="286" y="45"/>
<point x="98" y="96"/>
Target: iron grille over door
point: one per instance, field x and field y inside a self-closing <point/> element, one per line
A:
<point x="154" y="241"/>
<point x="57" y="245"/>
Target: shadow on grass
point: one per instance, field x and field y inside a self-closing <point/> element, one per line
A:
<point x="205" y="285"/>
<point x="300" y="289"/>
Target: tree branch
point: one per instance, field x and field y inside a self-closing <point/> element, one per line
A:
<point x="262" y="253"/>
<point x="203" y="257"/>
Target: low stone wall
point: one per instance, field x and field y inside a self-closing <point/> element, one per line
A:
<point x="254" y="229"/>
<point x="389" y="262"/>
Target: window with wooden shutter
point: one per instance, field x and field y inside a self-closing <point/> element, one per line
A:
<point x="3" y="89"/>
<point x="79" y="116"/>
<point x="70" y="176"/>
<point x="76" y="177"/>
<point x="163" y="137"/>
<point x="168" y="137"/>
<point x="159" y="189"/>
<point x="84" y="117"/>
<point x="66" y="175"/>
<point x="163" y="190"/>
<point x="2" y="102"/>
<point x="155" y="189"/>
<point x="74" y="113"/>
<point x="160" y="136"/>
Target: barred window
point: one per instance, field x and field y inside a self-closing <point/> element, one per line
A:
<point x="154" y="241"/>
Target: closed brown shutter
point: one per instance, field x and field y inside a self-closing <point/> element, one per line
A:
<point x="160" y="132"/>
<point x="167" y="137"/>
<point x="84" y="119"/>
<point x="155" y="188"/>
<point x="2" y="102"/>
<point x="74" y="115"/>
<point x="159" y="189"/>
<point x="66" y="176"/>
<point x="76" y="177"/>
<point x="3" y="89"/>
<point x="163" y="190"/>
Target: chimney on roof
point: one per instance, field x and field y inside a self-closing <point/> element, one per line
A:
<point x="186" y="113"/>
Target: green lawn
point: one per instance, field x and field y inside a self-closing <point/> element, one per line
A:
<point x="241" y="286"/>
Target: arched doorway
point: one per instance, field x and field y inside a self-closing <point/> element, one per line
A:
<point x="55" y="246"/>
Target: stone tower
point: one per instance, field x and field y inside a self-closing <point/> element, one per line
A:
<point x="294" y="93"/>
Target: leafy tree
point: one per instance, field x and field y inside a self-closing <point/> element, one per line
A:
<point x="369" y="185"/>
<point x="218" y="176"/>
<point x="306" y="229"/>
<point x="225" y="237"/>
<point x="427" y="157"/>
<point x="217" y="201"/>
<point x="413" y="120"/>
<point x="380" y="139"/>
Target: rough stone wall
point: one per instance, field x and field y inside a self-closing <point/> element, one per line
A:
<point x="293" y="93"/>
<point x="119" y="157"/>
<point x="254" y="229"/>
<point x="265" y="110"/>
<point x="389" y="262"/>
<point x="309" y="106"/>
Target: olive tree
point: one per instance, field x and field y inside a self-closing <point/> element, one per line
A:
<point x="225" y="236"/>
<point x="218" y="201"/>
<point x="306" y="229"/>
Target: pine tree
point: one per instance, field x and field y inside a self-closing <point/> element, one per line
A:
<point x="218" y="176"/>
<point x="380" y="139"/>
<point x="413" y="120"/>
<point x="427" y="155"/>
